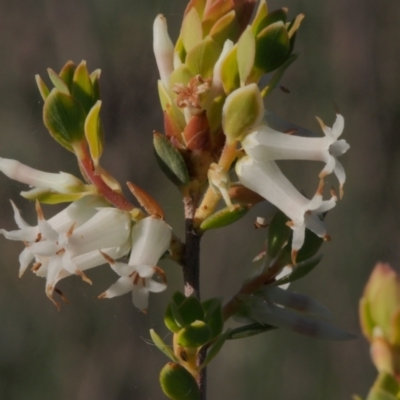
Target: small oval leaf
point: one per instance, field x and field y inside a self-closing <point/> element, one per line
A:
<point x="224" y="217"/>
<point x="195" y="335"/>
<point x="178" y="383"/>
<point x="162" y="346"/>
<point x="94" y="132"/>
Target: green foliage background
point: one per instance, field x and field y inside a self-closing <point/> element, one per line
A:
<point x="349" y="55"/>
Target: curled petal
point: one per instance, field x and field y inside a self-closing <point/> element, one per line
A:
<point x="61" y="182"/>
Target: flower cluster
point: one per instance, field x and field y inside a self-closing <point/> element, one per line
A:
<point x="85" y="235"/>
<point x="212" y="101"/>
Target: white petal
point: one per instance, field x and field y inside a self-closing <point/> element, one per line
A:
<point x="55" y="272"/>
<point x="47" y="231"/>
<point x="77" y="213"/>
<point x="150" y="239"/>
<point x="145" y="271"/>
<point x="340" y="173"/>
<point x="267" y="144"/>
<point x="299" y="232"/>
<point x="154" y="286"/>
<point x="94" y="258"/>
<point x="314" y="224"/>
<point x="338" y="148"/>
<point x="25" y="258"/>
<point x="338" y="126"/>
<point x="122" y="286"/>
<point x="163" y="49"/>
<point x="18" y="218"/>
<point x="108" y="228"/>
<point x="122" y="269"/>
<point x="44" y="248"/>
<point x="140" y="297"/>
<point x="267" y="180"/>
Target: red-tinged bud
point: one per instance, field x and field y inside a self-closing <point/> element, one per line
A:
<point x="244" y="10"/>
<point x="197" y="133"/>
<point x="171" y="128"/>
<point x="146" y="201"/>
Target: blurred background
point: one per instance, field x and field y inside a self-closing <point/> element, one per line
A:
<point x="349" y="55"/>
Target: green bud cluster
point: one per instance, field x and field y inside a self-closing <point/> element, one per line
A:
<point x="196" y="326"/>
<point x="71" y="109"/>
<point x="380" y="322"/>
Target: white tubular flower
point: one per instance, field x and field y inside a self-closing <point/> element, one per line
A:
<point x="268" y="181"/>
<point x="163" y="49"/>
<point x="64" y="246"/>
<point x="150" y="239"/>
<point x="267" y="144"/>
<point x="61" y="182"/>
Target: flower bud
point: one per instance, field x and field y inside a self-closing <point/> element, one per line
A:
<point x="242" y="111"/>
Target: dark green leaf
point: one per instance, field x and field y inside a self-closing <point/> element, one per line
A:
<point x="170" y="160"/>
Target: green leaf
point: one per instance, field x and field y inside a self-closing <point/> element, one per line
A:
<point x="191" y="32"/>
<point x="177" y="317"/>
<point x="58" y="82"/>
<point x="261" y="13"/>
<point x="226" y="27"/>
<point x="275" y="16"/>
<point x="366" y="320"/>
<point x="178" y="383"/>
<point x="94" y="132"/>
<point x="67" y="73"/>
<point x="65" y="118"/>
<point x="272" y="47"/>
<point x="214" y="349"/>
<point x="214" y="113"/>
<point x="246" y="52"/>
<point x="178" y="298"/>
<point x="202" y="58"/>
<point x="395" y="329"/>
<point x="181" y="75"/>
<point x="95" y="79"/>
<point x="299" y="270"/>
<point x="191" y="310"/>
<point x="230" y="71"/>
<point x="387" y="383"/>
<point x="249" y="330"/>
<point x="194" y="335"/>
<point x="43" y="89"/>
<point x="385" y="388"/>
<point x="45" y="196"/>
<point x="162" y="346"/>
<point x="170" y="320"/>
<point x="243" y="109"/>
<point x="82" y="88"/>
<point x="170" y="160"/>
<point x="213" y="316"/>
<point x="312" y="244"/>
<point x="224" y="217"/>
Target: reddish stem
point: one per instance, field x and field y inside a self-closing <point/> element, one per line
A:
<point x="115" y="198"/>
